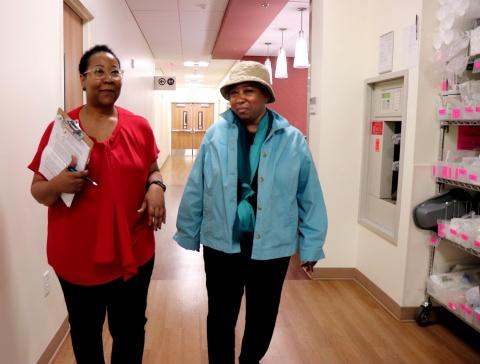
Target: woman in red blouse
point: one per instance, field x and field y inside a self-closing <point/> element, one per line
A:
<point x="102" y="247"/>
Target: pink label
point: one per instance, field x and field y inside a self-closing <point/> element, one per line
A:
<point x="462" y="171"/>
<point x="445" y="172"/>
<point x="442" y="234"/>
<point x="477" y="316"/>
<point x="456" y="113"/>
<point x="476" y="243"/>
<point x="434" y="171"/>
<point x="469" y="109"/>
<point x="473" y="177"/>
<point x="477" y="109"/>
<point x="441" y="226"/>
<point x="435" y="240"/>
<point x="464" y="237"/>
<point x="453" y="231"/>
<point x="456" y="173"/>
<point x="452" y="306"/>
<point x="468" y="311"/>
<point x="444" y="85"/>
<point x="476" y="65"/>
<point x="442" y="111"/>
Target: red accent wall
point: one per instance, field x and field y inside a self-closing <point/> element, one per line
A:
<point x="291" y="93"/>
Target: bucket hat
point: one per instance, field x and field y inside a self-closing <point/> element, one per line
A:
<point x="248" y="71"/>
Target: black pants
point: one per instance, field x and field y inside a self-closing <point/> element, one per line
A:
<point x="227" y="277"/>
<point x="125" y="302"/>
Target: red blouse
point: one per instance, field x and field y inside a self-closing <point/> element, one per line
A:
<point x="102" y="237"/>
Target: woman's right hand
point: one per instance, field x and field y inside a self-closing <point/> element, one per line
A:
<point x="69" y="182"/>
<point x="47" y="192"/>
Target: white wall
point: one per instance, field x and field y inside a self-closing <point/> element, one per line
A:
<point x="30" y="92"/>
<point x="337" y="52"/>
<point x="345" y="53"/>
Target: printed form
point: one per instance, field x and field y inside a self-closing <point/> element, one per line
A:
<point x="66" y="140"/>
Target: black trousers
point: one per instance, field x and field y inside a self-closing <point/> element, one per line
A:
<point x="125" y="302"/>
<point x="228" y="275"/>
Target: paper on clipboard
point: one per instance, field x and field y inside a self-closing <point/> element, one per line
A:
<point x="66" y="139"/>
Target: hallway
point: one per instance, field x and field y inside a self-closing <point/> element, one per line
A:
<point x="323" y="321"/>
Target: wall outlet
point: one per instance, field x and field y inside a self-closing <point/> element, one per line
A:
<point x="46" y="283"/>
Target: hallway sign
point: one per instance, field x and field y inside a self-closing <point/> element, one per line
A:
<point x="164" y="83"/>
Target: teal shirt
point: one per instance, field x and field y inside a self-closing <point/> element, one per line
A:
<point x="291" y="213"/>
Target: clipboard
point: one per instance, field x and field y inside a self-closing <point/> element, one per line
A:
<point x="66" y="139"/>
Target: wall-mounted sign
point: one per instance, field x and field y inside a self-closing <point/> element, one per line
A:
<point x="377" y="127"/>
<point x="165" y="83"/>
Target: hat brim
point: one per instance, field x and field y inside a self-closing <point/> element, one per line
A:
<point x="226" y="87"/>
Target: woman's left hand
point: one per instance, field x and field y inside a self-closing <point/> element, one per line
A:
<point x="154" y="204"/>
<point x="309" y="266"/>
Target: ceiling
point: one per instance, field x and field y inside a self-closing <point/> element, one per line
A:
<point x="217" y="31"/>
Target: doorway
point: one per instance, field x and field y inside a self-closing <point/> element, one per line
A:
<point x="73" y="49"/>
<point x="190" y="121"/>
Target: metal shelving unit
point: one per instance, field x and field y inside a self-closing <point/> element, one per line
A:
<point x="450" y="182"/>
<point x="425" y="309"/>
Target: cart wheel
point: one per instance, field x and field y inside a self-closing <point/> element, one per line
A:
<point x="423" y="314"/>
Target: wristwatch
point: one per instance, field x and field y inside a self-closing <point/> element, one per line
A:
<point x="158" y="183"/>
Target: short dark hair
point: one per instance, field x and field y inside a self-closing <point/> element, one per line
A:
<point x="83" y="65"/>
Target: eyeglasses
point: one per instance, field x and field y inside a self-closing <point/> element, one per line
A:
<point x="100" y="73"/>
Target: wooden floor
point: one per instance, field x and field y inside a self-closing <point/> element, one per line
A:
<point x="324" y="322"/>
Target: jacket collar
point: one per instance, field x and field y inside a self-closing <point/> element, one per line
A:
<point x="279" y="122"/>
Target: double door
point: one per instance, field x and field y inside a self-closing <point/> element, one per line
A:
<point x="189" y="124"/>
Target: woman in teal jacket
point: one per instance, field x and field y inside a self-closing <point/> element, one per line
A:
<point x="252" y="200"/>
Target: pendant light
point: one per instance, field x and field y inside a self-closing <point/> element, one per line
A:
<point x="281" y="69"/>
<point x="301" y="48"/>
<point x="268" y="63"/>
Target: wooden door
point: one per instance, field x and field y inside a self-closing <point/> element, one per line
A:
<point x="203" y="118"/>
<point x="182" y="126"/>
<point x="73" y="50"/>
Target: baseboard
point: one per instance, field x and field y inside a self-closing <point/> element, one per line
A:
<point x="397" y="311"/>
<point x="55" y="343"/>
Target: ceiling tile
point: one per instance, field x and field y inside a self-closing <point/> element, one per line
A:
<point x="163" y="5"/>
<point x="208" y="5"/>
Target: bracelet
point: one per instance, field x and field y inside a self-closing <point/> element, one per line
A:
<point x="158" y="183"/>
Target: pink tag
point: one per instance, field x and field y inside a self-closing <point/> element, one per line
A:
<point x="477" y="109"/>
<point x="462" y="171"/>
<point x="464" y="237"/>
<point x="452" y="306"/>
<point x="469" y="109"/>
<point x="442" y="111"/>
<point x="445" y="172"/>
<point x="441" y="233"/>
<point x="468" y="311"/>
<point x="444" y="85"/>
<point x="453" y="232"/>
<point x="441" y="226"/>
<point x="476" y="243"/>
<point x="434" y="240"/>
<point x="477" y="316"/>
<point x="476" y="65"/>
<point x="456" y="173"/>
<point x="473" y="177"/>
<point x="456" y="113"/>
<point x="434" y="170"/>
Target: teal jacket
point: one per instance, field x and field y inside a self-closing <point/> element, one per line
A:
<point x="291" y="212"/>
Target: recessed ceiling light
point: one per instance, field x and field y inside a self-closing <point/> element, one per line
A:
<point x="194" y="76"/>
<point x="195" y="64"/>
